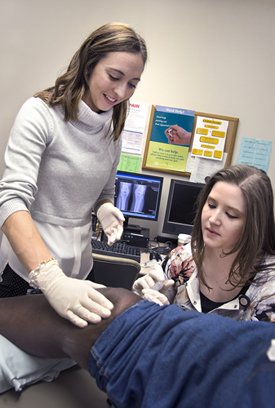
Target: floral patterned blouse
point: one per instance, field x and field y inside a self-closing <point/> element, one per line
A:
<point x="256" y="303"/>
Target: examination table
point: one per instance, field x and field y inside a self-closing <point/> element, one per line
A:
<point x="74" y="388"/>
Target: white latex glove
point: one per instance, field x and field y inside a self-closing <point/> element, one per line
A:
<point x="74" y="299"/>
<point x="111" y="219"/>
<point x="150" y="279"/>
<point x="155" y="296"/>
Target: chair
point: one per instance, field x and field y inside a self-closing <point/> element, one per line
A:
<point x="114" y="271"/>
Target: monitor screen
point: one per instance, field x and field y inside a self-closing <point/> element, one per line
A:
<point x="138" y="195"/>
<point x="181" y="207"/>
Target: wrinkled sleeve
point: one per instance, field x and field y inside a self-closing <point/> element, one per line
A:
<point x="264" y="306"/>
<point x="262" y="292"/>
<point x="108" y="191"/>
<point x="177" y="261"/>
<point x="28" y="140"/>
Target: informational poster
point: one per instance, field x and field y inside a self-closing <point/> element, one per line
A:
<point x="134" y="129"/>
<point x="209" y="138"/>
<point x="169" y="139"/>
<point x="255" y="152"/>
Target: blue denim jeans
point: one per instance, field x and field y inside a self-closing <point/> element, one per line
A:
<point x="161" y="356"/>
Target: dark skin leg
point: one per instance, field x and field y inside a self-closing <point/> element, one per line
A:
<point x="33" y="325"/>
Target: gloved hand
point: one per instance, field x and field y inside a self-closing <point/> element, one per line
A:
<point x="150" y="279"/>
<point x="154" y="296"/>
<point x="111" y="219"/>
<point x="74" y="299"/>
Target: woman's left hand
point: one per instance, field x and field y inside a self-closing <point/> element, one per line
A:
<point x="111" y="219"/>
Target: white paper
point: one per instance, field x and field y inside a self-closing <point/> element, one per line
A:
<point x="190" y="163"/>
<point x="209" y="138"/>
<point x="134" y="129"/>
<point x="203" y="168"/>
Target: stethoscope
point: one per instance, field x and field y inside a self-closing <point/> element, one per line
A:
<point x="244" y="301"/>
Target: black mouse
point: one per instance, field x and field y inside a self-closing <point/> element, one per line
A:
<point x="156" y="256"/>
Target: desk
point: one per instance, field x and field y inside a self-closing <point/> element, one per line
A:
<point x="145" y="255"/>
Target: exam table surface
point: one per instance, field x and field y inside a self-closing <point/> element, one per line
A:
<point x="74" y="388"/>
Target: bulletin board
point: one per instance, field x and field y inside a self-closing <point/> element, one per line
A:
<point x="228" y="146"/>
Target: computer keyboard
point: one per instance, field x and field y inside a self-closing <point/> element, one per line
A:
<point x="118" y="249"/>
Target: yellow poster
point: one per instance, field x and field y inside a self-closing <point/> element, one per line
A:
<point x="167" y="157"/>
<point x="169" y="139"/>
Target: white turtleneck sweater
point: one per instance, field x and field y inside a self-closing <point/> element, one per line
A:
<point x="58" y="171"/>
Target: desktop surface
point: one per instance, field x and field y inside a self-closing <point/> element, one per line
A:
<point x="135" y="244"/>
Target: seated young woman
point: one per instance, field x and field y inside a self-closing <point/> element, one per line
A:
<point x="228" y="265"/>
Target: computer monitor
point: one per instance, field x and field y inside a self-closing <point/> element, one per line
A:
<point x="181" y="207"/>
<point x="137" y="196"/>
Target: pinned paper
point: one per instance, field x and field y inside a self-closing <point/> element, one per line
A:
<point x="129" y="163"/>
<point x="209" y="138"/>
<point x="255" y="152"/>
<point x="134" y="129"/>
<point x="203" y="168"/>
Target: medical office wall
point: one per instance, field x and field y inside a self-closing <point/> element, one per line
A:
<point x="213" y="56"/>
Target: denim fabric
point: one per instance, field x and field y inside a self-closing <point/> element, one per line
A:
<point x="161" y="356"/>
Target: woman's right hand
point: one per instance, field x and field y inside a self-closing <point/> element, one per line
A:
<point x="150" y="279"/>
<point x="178" y="135"/>
<point x="74" y="299"/>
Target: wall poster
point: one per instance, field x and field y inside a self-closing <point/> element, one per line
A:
<point x="168" y="141"/>
<point x="163" y="151"/>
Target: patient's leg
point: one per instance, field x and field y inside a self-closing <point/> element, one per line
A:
<point x="31" y="324"/>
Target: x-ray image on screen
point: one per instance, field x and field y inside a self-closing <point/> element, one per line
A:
<point x="138" y="195"/>
<point x="125" y="190"/>
<point x="131" y="193"/>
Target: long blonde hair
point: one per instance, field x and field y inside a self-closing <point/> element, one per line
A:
<point x="70" y="87"/>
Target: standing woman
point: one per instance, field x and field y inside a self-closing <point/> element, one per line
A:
<point x="61" y="162"/>
<point x="228" y="268"/>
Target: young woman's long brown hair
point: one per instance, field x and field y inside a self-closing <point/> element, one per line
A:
<point x="70" y="87"/>
<point x="258" y="235"/>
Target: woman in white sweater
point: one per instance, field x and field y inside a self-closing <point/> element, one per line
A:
<point x="61" y="162"/>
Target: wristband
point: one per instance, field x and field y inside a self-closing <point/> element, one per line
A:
<point x="34" y="274"/>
